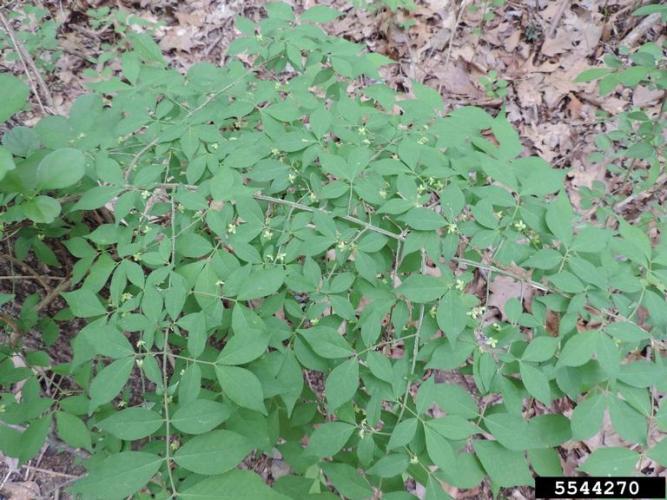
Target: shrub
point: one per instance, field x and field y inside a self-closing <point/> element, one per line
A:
<point x="282" y="258"/>
<point x="633" y="151"/>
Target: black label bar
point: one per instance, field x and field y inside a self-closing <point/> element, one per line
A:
<point x="599" y="487"/>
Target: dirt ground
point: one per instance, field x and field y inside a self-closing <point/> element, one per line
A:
<point x="537" y="46"/>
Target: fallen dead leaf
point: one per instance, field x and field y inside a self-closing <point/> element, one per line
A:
<point x="28" y="490"/>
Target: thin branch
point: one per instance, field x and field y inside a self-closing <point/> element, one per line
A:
<point x="464" y="3"/>
<point x="371" y="227"/>
<point x="641" y="29"/>
<point x="348" y="218"/>
<point x="50" y="472"/>
<point x="27" y="277"/>
<point x="26" y="268"/>
<point x="53" y="295"/>
<point x="27" y="60"/>
<point x="415" y="347"/>
<point x="658" y="184"/>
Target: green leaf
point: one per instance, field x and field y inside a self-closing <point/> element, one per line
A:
<point x="435" y="490"/>
<point x="642" y="373"/>
<point x="484" y="214"/>
<point x="611" y="462"/>
<point x="567" y="282"/>
<point x="451" y="315"/>
<point x="342" y="383"/>
<point x="510" y="143"/>
<point x="578" y="350"/>
<point x="537" y="177"/>
<point x="213" y="453"/>
<point x="199" y="416"/>
<point x="33" y="438"/>
<point x="6" y="162"/>
<point x="608" y="355"/>
<point x="455" y="400"/>
<point x="73" y="431"/>
<point x="550" y="430"/>
<point x="249" y="341"/>
<point x="146" y="48"/>
<point x="41" y="209"/>
<point x="423" y="219"/>
<point x="452" y="201"/>
<point x="587" y="417"/>
<point x="505" y="467"/>
<point x="540" y="349"/>
<point x="320" y="14"/>
<point x="347" y="480"/>
<point x="389" y="465"/>
<point x="536" y="383"/>
<point x="329" y="438"/>
<point x="61" y="168"/>
<point x="422" y="289"/>
<point x="195" y="324"/>
<point x="659" y="452"/>
<point x="327" y="342"/>
<point x="119" y="475"/>
<point x="262" y="283"/>
<point x="132" y="423"/>
<point x="545" y="462"/>
<point x="96" y="197"/>
<point x="511" y="431"/>
<point x="242" y="387"/>
<point x="193" y="245"/>
<point x="14" y="95"/>
<point x="627" y="422"/>
<point x="559" y="218"/>
<point x="439" y="449"/>
<point x="110" y="381"/>
<point x="190" y="384"/>
<point x="591" y="74"/>
<point x="545" y="258"/>
<point x="650" y="9"/>
<point x="233" y="485"/>
<point x="403" y="433"/>
<point x="84" y="304"/>
<point x="453" y="427"/>
<point x="626" y="332"/>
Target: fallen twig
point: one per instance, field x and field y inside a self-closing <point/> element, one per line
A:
<point x="633" y="38"/>
<point x="557" y="17"/>
<point x="659" y="182"/>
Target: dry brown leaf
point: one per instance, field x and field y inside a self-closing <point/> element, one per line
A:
<point x="550" y="139"/>
<point x="528" y="91"/>
<point x="180" y="38"/>
<point x="643" y="96"/>
<point x="578" y="34"/>
<point x="28" y="490"/>
<point x="503" y="288"/>
<point x="583" y="174"/>
<point x="456" y="80"/>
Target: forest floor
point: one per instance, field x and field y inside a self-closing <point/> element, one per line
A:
<point x="537" y="47"/>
